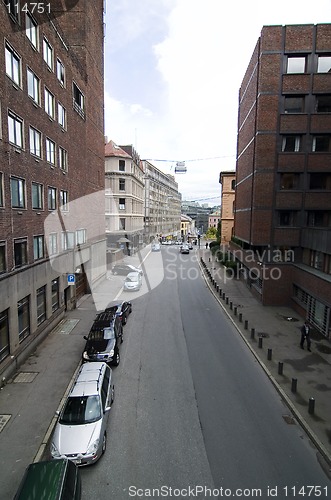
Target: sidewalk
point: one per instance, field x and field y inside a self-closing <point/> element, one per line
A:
<point x="273" y="335"/>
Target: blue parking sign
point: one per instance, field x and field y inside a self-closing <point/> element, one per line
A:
<point x="71" y="279"/>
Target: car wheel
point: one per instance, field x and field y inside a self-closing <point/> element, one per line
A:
<point x="104" y="443"/>
<point x="117" y="359"/>
<point x="124" y="320"/>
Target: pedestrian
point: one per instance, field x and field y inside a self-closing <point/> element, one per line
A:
<point x="305" y="335"/>
<point x="207" y="245"/>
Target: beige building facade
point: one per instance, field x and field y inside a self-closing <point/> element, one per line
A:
<point x="228" y="183"/>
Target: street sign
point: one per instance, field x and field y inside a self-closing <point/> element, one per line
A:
<point x="71" y="279"/>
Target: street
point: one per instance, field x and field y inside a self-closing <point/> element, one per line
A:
<point x="193" y="408"/>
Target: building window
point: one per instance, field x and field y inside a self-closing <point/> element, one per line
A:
<point x="23" y="311"/>
<point x="2" y="204"/>
<point x="13" y="65"/>
<point x="50" y="151"/>
<point x="38" y="247"/>
<point x="31" y="30"/>
<point x="48" y="54"/>
<point x="321" y="143"/>
<point x="49" y="103"/>
<point x="121" y="165"/>
<point x="63" y="159"/>
<point x="324" y="64"/>
<point x="286" y="218"/>
<point x="68" y="240"/>
<point x="52" y="244"/>
<point x="296" y="64"/>
<point x="37" y="196"/>
<point x="4" y="335"/>
<point x="51" y="198"/>
<point x="80" y="236"/>
<point x="233" y="184"/>
<point x="64" y="201"/>
<point x="41" y="305"/>
<point x="3" y="263"/>
<point x="20" y="252"/>
<point x="316" y="260"/>
<point x="320" y="181"/>
<point x="78" y="100"/>
<point x="122" y="224"/>
<point x="323" y="104"/>
<point x="319" y="218"/>
<point x="122" y="184"/>
<point x="13" y="8"/>
<point x="35" y="142"/>
<point x="289" y="181"/>
<point x="121" y="204"/>
<point x="61" y="116"/>
<point x="15" y="130"/>
<point x="294" y="104"/>
<point x="33" y="86"/>
<point x="60" y="73"/>
<point x="17" y="189"/>
<point x="55" y="295"/>
<point x="291" y="143"/>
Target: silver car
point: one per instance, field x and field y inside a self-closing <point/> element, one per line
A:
<point x="133" y="282"/>
<point x="81" y="430"/>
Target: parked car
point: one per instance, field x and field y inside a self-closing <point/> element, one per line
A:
<point x="156" y="247"/>
<point x="184" y="248"/>
<point x="124" y="308"/>
<point x="132" y="282"/>
<point x="104" y="338"/>
<point x="55" y="479"/>
<point x="125" y="269"/>
<point x="81" y="429"/>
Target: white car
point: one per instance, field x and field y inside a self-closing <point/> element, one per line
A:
<point x="132" y="282"/>
<point x="156" y="247"/>
<point x="81" y="430"/>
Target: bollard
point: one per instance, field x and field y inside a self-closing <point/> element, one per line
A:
<point x="231" y="304"/>
<point x="252" y="333"/>
<point x="311" y="406"/>
<point x="294" y="385"/>
<point x="260" y="342"/>
<point x="223" y="296"/>
<point x="221" y="291"/>
<point x="269" y="354"/>
<point x="240" y="317"/>
<point x="209" y="259"/>
<point x="227" y="300"/>
<point x="217" y="288"/>
<point x="280" y="368"/>
<point x="246" y="324"/>
<point x="235" y="310"/>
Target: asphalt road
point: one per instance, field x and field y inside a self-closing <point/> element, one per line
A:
<point x="193" y="409"/>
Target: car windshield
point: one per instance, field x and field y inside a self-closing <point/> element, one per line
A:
<point x="131" y="278"/>
<point x="102" y="334"/>
<point x="81" y="410"/>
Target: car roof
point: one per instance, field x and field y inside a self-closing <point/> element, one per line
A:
<point x="87" y="382"/>
<point x="133" y="274"/>
<point x="36" y="481"/>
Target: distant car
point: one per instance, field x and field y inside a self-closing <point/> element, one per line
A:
<point x="156" y="247"/>
<point x="125" y="269"/>
<point x="80" y="433"/>
<point x="190" y="246"/>
<point x="124" y="308"/>
<point x="184" y="248"/>
<point x="104" y="338"/>
<point x="132" y="282"/>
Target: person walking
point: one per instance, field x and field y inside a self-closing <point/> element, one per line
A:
<point x="305" y="335"/>
<point x="206" y="244"/>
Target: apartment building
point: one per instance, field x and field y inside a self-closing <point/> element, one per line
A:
<point x="283" y="171"/>
<point x="124" y="197"/>
<point x="52" y="241"/>
<point x="162" y="204"/>
<point x="227" y="180"/>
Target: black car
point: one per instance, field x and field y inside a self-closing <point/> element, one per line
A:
<point x="105" y="337"/>
<point x="124" y="308"/>
<point x="125" y="269"/>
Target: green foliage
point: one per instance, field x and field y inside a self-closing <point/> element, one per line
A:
<point x="211" y="232"/>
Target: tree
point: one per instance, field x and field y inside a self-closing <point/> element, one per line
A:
<point x="211" y="232"/>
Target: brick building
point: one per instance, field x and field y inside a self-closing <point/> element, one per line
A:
<point x="283" y="171"/>
<point x="52" y="155"/>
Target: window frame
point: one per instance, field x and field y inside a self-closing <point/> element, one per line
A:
<point x="4" y="334"/>
<point x="48" y="54"/>
<point x="38" y="247"/>
<point x="52" y="198"/>
<point x="17" y="122"/>
<point x="62" y="116"/>
<point x="20" y="250"/>
<point x="31" y="30"/>
<point x="63" y="159"/>
<point x="78" y="99"/>
<point x="64" y="200"/>
<point x="50" y="153"/>
<point x="20" y="194"/>
<point x="34" y="92"/>
<point x="322" y="58"/>
<point x="49" y="103"/>
<point x="298" y="58"/>
<point x="60" y="72"/>
<point x="35" y="136"/>
<point x="41" y="304"/>
<point x="37" y="193"/>
<point x="297" y="143"/>
<point x="14" y="72"/>
<point x="53" y="244"/>
<point x="24" y="306"/>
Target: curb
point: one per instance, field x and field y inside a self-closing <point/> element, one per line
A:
<point x="319" y="445"/>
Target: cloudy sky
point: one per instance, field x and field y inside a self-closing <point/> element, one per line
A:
<point x="173" y="69"/>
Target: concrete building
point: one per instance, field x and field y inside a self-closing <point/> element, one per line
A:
<point x="124" y="197"/>
<point x="214" y="218"/>
<point x="283" y="171"/>
<point x="228" y="182"/>
<point x="200" y="214"/>
<point x="52" y="244"/>
<point x="187" y="228"/>
<point x="162" y="204"/>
